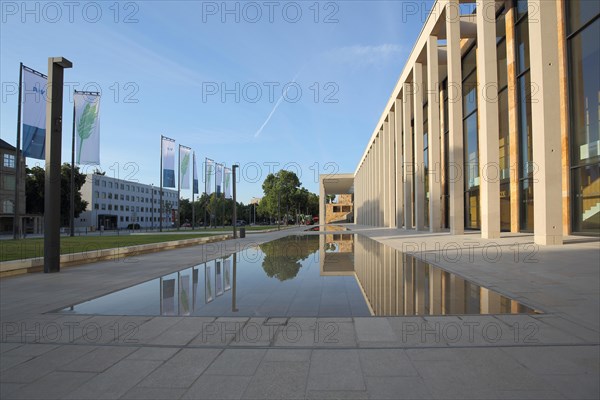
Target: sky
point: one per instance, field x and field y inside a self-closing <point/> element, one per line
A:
<point x="267" y="85"/>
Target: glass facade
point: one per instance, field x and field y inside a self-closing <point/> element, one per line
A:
<point x="471" y="142"/>
<point x="426" y="163"/>
<point x="524" y="111"/>
<point x="583" y="31"/>
<point x="504" y="138"/>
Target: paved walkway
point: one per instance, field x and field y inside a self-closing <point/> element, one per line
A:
<point x="550" y="355"/>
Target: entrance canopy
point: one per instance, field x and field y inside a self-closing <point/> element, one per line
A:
<point x="333" y="184"/>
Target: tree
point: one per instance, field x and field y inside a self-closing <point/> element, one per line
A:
<point x="34" y="188"/>
<point x="283" y="257"/>
<point x="279" y="190"/>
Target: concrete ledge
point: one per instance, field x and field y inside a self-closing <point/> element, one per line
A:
<point x="28" y="265"/>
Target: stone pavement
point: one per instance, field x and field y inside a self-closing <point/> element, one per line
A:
<point x="556" y="354"/>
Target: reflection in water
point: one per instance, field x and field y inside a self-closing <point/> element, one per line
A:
<point x="399" y="284"/>
<point x="283" y="257"/>
<point x="327" y="275"/>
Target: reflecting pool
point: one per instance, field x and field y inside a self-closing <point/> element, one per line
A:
<point x="326" y="275"/>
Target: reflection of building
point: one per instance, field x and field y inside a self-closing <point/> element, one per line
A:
<point x="450" y="152"/>
<point x="116" y="203"/>
<point x="336" y="254"/>
<point x="399" y="284"/>
<point x="341" y="210"/>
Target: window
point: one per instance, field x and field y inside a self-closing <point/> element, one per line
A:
<point x="97" y="194"/>
<point x="110" y="207"/>
<point x="8" y="160"/>
<point x="109" y="195"/>
<point x="110" y="185"/>
<point x="126" y="208"/>
<point x="8" y="182"/>
<point x="584" y="86"/>
<point x="103" y="207"/>
<point x="8" y="206"/>
<point x="122" y="197"/>
<point x="103" y="183"/>
<point x="524" y="115"/>
<point x="96" y="206"/>
<point x="122" y="186"/>
<point x="121" y="208"/>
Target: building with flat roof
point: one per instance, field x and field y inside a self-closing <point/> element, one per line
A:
<point x="118" y="204"/>
<point x="8" y="172"/>
<point x="493" y="125"/>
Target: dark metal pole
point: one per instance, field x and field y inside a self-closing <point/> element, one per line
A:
<point x="17" y="216"/>
<point x="72" y="199"/>
<point x="234" y="219"/>
<point x="56" y="66"/>
<point x="160" y="208"/>
<point x="193" y="207"/>
<point x="234" y="286"/>
<point x="152" y="222"/>
<point x="278" y="207"/>
<point x="178" y="188"/>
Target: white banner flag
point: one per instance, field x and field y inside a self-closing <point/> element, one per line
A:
<point x="219" y="179"/>
<point x="33" y="113"/>
<point x="184" y="167"/>
<point x="209" y="167"/>
<point x="227" y="183"/>
<point x="195" y="176"/>
<point x="87" y="128"/>
<point x="168" y="162"/>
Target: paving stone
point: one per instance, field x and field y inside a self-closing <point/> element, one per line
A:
<point x="115" y="381"/>
<point x="337" y="394"/>
<point x="153" y="353"/>
<point x="374" y="330"/>
<point x="278" y="380"/>
<point x="4" y="347"/>
<point x="219" y="333"/>
<point x="335" y="334"/>
<point x="287" y="355"/>
<point x="256" y="332"/>
<point x="7" y="361"/>
<point x="386" y="362"/>
<point x="99" y="359"/>
<point x="385" y="387"/>
<point x="557" y="360"/>
<point x="581" y="386"/>
<point x="240" y="362"/>
<point x="37" y="367"/>
<point x="181" y="333"/>
<point x="335" y="370"/>
<point x="182" y="369"/>
<point x="147" y="393"/>
<point x="30" y="349"/>
<point x="218" y="387"/>
<point x="55" y="385"/>
<point x="8" y="390"/>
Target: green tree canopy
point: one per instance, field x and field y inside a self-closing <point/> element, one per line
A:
<point x="34" y="188"/>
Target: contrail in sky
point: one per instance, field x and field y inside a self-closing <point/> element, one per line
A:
<point x="258" y="132"/>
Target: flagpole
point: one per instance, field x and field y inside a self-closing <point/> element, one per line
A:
<point x="161" y="184"/>
<point x="72" y="200"/>
<point x="193" y="190"/>
<point x="16" y="217"/>
<point x="179" y="188"/>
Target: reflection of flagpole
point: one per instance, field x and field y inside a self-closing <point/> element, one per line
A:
<point x="233" y="290"/>
<point x="16" y="218"/>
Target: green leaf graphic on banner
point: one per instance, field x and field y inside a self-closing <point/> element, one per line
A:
<point x="85" y="127"/>
<point x="185" y="163"/>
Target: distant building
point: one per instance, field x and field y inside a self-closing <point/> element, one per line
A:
<point x="117" y="204"/>
<point x="7" y="186"/>
<point x="340" y="211"/>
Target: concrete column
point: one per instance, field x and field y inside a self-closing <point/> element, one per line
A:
<point x="418" y="138"/>
<point x="399" y="164"/>
<point x="455" y="114"/>
<point x="322" y="202"/>
<point x="547" y="185"/>
<point x="379" y="177"/>
<point x="408" y="148"/>
<point x="433" y="137"/>
<point x="513" y="119"/>
<point x="488" y="129"/>
<point x="386" y="173"/>
<point x="391" y="167"/>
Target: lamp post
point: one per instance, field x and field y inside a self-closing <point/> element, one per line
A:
<point x="152" y="208"/>
<point x="56" y="67"/>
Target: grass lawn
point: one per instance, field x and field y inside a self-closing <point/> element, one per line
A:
<point x="29" y="248"/>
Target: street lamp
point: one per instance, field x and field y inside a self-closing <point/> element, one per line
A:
<point x="152" y="208"/>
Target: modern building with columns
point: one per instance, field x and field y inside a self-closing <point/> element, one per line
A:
<point x="492" y="126"/>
